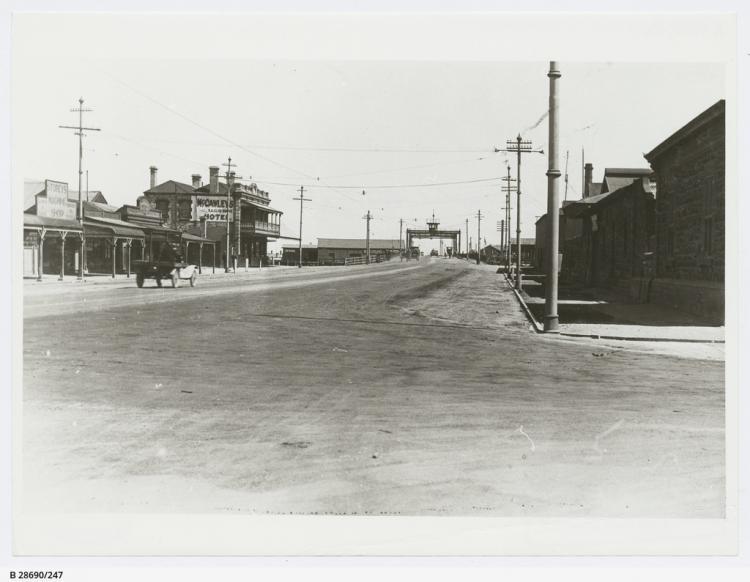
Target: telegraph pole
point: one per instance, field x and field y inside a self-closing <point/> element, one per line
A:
<point x="501" y="230"/>
<point x="479" y="235"/>
<point x="400" y="235"/>
<point x="468" y="240"/>
<point x="519" y="146"/>
<point x="301" y="200"/>
<point x="508" y="188"/>
<point x="230" y="179"/>
<point x="553" y="203"/>
<point x="79" y="132"/>
<point x="368" y="218"/>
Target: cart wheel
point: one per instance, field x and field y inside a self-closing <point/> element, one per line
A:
<point x="158" y="281"/>
<point x="175" y="281"/>
<point x="193" y="278"/>
<point x="139" y="280"/>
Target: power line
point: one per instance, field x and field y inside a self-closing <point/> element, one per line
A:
<point x="379" y="187"/>
<point x="215" y="133"/>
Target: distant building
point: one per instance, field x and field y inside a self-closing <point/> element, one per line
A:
<point x="540" y="243"/>
<point x="690" y="167"/>
<point x="334" y="251"/>
<point x="203" y="210"/>
<point x="290" y="254"/>
<point x="495" y="254"/>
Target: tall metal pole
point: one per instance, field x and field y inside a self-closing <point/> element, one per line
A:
<point x="301" y="200"/>
<point x="553" y="203"/>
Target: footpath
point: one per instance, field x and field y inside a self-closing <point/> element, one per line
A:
<point x="52" y="285"/>
<point x="610" y="319"/>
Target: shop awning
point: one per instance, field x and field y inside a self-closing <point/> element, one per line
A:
<point x="106" y="227"/>
<point x="34" y="221"/>
<point x="186" y="236"/>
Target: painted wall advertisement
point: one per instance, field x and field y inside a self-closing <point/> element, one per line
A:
<point x="213" y="208"/>
<point x="56" y="204"/>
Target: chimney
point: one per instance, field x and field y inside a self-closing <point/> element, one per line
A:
<point x="153" y="175"/>
<point x="214" y="179"/>
<point x="196" y="180"/>
<point x="588" y="173"/>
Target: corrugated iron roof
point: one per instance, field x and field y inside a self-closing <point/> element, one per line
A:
<point x="305" y="246"/>
<point x="117" y="227"/>
<point x="358" y="243"/>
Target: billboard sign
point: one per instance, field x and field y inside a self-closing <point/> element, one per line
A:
<point x="55" y="203"/>
<point x="213" y="208"/>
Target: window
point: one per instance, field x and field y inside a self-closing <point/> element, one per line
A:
<point x="163" y="207"/>
<point x="186" y="210"/>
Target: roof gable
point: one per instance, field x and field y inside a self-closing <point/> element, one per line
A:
<point x="171" y="187"/>
<point x="716" y="111"/>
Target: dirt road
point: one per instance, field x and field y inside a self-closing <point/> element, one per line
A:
<point x="405" y="388"/>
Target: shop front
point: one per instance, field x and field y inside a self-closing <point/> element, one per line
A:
<point x="111" y="245"/>
<point x="51" y="246"/>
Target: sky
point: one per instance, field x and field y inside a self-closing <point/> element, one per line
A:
<point x="416" y="136"/>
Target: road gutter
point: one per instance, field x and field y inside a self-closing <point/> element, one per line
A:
<point x="538" y="328"/>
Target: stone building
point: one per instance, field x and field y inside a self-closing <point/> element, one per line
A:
<point x="690" y="166"/>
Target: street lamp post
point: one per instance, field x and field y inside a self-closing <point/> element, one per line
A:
<point x="553" y="202"/>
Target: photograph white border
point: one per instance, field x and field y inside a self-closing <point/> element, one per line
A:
<point x="487" y="36"/>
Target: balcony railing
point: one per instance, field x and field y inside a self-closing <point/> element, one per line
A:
<point x="260" y="226"/>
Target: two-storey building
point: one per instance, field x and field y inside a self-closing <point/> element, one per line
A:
<point x="213" y="210"/>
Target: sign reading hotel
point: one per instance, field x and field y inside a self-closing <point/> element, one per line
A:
<point x="55" y="203"/>
<point x="213" y="208"/>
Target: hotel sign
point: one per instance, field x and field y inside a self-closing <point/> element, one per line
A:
<point x="55" y="203"/>
<point x="213" y="208"/>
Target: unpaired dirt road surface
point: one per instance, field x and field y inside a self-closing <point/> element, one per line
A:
<point x="396" y="389"/>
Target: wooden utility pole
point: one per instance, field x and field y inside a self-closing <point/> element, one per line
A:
<point x="508" y="188"/>
<point x="468" y="240"/>
<point x="479" y="235"/>
<point x="301" y="199"/>
<point x="401" y="235"/>
<point x="230" y="179"/>
<point x="79" y="132"/>
<point x="501" y="230"/>
<point x="553" y="204"/>
<point x="519" y="146"/>
<point x="368" y="218"/>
